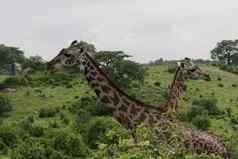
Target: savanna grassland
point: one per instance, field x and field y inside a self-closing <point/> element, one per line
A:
<point x="58" y="116"/>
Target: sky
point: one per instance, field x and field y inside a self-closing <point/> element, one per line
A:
<point x="144" y="29"/>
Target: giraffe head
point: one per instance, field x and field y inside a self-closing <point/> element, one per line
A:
<point x="188" y="70"/>
<point x="74" y="55"/>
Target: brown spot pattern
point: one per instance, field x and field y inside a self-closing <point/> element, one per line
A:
<point x="125" y="101"/>
<point x="142" y="117"/>
<point x="100" y="79"/>
<point x="97" y="91"/>
<point x="134" y="109"/>
<point x="123" y="108"/>
<point x="115" y="99"/>
<point x="93" y="73"/>
<point x="105" y="89"/>
<point x="105" y="99"/>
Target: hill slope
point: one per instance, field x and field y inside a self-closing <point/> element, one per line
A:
<point x="44" y="93"/>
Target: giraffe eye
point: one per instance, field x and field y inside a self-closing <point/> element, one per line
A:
<point x="81" y="50"/>
<point x="67" y="55"/>
<point x="193" y="70"/>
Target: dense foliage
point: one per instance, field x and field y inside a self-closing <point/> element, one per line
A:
<point x="230" y="68"/>
<point x="226" y="52"/>
<point x="120" y="69"/>
<point x="9" y="55"/>
<point x="5" y="105"/>
<point x="57" y="116"/>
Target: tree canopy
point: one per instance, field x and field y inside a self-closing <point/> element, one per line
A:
<point x="226" y="51"/>
<point x="120" y="69"/>
<point x="10" y="55"/>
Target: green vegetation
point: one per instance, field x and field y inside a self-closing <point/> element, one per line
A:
<point x="226" y="52"/>
<point x="121" y="70"/>
<point x="5" y="105"/>
<point x="58" y="116"/>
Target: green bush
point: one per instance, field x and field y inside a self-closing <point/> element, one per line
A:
<point x="5" y="105"/>
<point x="3" y="148"/>
<point x="230" y="68"/>
<point x="95" y="131"/>
<point x="158" y="84"/>
<point x="209" y="104"/>
<point x="70" y="144"/>
<point x="172" y="68"/>
<point x="47" y="112"/>
<point x="202" y="122"/>
<point x="31" y="148"/>
<point x="234" y="85"/>
<point x="27" y="125"/>
<point x="8" y="138"/>
<point x="90" y="106"/>
<point x="36" y="131"/>
<point x="15" y="81"/>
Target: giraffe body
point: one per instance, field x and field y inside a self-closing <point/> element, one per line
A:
<point x="129" y="111"/>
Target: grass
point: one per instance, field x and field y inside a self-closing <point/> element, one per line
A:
<point x="28" y="100"/>
<point x="221" y="127"/>
<point x="3" y="77"/>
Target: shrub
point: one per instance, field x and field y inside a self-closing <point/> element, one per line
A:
<point x="3" y="148"/>
<point x="172" y="68"/>
<point x="7" y="137"/>
<point x="90" y="106"/>
<point x="209" y="104"/>
<point x="5" y="105"/>
<point x="58" y="78"/>
<point x="16" y="81"/>
<point x="36" y="131"/>
<point x="201" y="121"/>
<point x="158" y="84"/>
<point x="96" y="130"/>
<point x="230" y="68"/>
<point x="220" y="85"/>
<point x="70" y="144"/>
<point x="82" y="117"/>
<point x="47" y="112"/>
<point x="54" y="124"/>
<point x="234" y="85"/>
<point x="27" y="125"/>
<point x="219" y="79"/>
<point x="32" y="148"/>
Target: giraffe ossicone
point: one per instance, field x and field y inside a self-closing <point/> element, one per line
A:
<point x="129" y="111"/>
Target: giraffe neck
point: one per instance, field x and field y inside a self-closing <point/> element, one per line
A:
<point x="104" y="88"/>
<point x="176" y="89"/>
<point x="132" y="112"/>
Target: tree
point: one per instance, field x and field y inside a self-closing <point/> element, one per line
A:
<point x="35" y="62"/>
<point x="9" y="55"/>
<point x="225" y="51"/>
<point x="234" y="58"/>
<point x="119" y="68"/>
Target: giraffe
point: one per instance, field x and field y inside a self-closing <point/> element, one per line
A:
<point x="129" y="111"/>
<point x="185" y="70"/>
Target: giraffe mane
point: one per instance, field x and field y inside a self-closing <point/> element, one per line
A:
<point x="116" y="87"/>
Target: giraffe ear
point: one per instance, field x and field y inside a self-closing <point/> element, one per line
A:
<point x="73" y="42"/>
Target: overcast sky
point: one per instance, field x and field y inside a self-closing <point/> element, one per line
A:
<point x="145" y="29"/>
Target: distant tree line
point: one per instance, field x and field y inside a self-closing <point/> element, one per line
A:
<point x="10" y="57"/>
<point x="196" y="61"/>
<point x="115" y="63"/>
